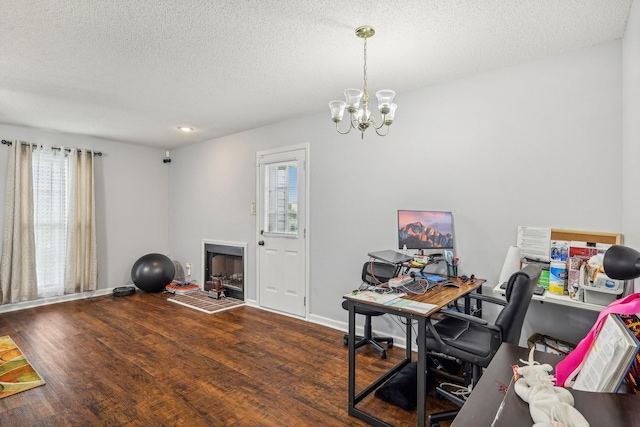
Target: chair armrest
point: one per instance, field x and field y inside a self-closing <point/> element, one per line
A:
<point x="462" y="316"/>
<point x="481" y="297"/>
<point x="488" y="298"/>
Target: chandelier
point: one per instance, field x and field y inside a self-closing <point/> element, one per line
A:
<point x="357" y="101"/>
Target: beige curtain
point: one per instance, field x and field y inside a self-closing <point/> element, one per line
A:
<point x="81" y="272"/>
<point x="18" y="263"/>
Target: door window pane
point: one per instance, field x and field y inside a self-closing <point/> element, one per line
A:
<point x="281" y="198"/>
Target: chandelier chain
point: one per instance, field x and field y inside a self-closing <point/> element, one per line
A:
<point x="366" y="92"/>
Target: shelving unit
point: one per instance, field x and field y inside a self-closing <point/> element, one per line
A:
<point x="580" y="236"/>
<point x="557" y="299"/>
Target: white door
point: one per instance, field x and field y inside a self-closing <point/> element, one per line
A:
<point x="282" y="244"/>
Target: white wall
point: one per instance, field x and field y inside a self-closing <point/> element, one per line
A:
<point x="631" y="127"/>
<point x="131" y="199"/>
<point x="537" y="144"/>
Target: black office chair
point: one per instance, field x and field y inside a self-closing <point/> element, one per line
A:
<point x="373" y="273"/>
<point x="474" y="340"/>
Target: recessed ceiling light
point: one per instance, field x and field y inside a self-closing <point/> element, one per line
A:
<point x="185" y="129"/>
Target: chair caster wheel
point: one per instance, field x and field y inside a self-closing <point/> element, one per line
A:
<point x="383" y="354"/>
<point x="390" y="344"/>
<point x="345" y="340"/>
<point x="435" y="424"/>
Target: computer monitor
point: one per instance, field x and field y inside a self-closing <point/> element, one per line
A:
<point x="425" y="230"/>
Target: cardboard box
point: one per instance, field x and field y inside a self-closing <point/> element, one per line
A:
<point x="573" y="279"/>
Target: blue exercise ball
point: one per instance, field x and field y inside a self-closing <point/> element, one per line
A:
<point x="153" y="272"/>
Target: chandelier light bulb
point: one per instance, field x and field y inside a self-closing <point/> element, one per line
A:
<point x="385" y="99"/>
<point x="337" y="110"/>
<point x="388" y="117"/>
<point x="353" y="97"/>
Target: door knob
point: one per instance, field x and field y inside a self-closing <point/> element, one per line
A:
<point x="261" y="242"/>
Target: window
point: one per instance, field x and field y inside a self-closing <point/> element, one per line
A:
<point x="50" y="194"/>
<point x="51" y="224"/>
<point x="281" y="198"/>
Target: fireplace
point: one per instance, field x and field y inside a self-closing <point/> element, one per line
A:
<point x="225" y="262"/>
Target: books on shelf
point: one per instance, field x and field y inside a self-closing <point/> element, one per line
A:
<point x="609" y="359"/>
<point x="182" y="288"/>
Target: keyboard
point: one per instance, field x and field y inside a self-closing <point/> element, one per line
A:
<point x="539" y="290"/>
<point x="416" y="287"/>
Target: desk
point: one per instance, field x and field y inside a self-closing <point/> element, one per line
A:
<point x="600" y="409"/>
<point x="440" y="296"/>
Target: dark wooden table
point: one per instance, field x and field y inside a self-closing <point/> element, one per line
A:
<point x="600" y="409"/>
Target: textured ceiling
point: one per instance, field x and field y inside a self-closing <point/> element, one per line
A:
<point x="133" y="70"/>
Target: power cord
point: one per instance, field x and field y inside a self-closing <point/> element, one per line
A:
<point x="457" y="389"/>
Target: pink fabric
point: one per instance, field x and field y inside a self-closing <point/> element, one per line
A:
<point x="569" y="367"/>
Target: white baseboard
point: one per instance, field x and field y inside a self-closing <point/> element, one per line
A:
<point x="398" y="341"/>
<point x="330" y="323"/>
<point x="53" y="300"/>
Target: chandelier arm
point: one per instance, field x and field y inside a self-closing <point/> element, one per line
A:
<point x="381" y="134"/>
<point x="354" y="121"/>
<point x="343" y="133"/>
<point x="373" y="122"/>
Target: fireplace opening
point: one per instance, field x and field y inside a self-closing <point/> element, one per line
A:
<point x="225" y="264"/>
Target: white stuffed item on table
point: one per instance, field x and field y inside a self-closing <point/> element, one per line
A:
<point x="550" y="406"/>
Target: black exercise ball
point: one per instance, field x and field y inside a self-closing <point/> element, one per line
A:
<point x="153" y="272"/>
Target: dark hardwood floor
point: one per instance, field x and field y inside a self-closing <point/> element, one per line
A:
<point x="140" y="360"/>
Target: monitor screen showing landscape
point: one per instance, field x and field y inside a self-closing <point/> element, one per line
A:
<point x="420" y="230"/>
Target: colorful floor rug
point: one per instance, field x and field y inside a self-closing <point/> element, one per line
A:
<point x="16" y="373"/>
<point x="200" y="301"/>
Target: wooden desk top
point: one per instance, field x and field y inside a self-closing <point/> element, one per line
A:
<point x="439" y="296"/>
<point x="600" y="409"/>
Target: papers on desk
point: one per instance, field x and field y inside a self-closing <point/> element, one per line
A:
<point x="380" y="298"/>
<point x="392" y="299"/>
<point x="407" y="304"/>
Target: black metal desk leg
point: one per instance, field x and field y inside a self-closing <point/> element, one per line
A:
<point x="422" y="370"/>
<point x="352" y="355"/>
<point x="408" y="345"/>
<point x="467" y="304"/>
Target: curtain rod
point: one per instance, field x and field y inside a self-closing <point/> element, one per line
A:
<point x="5" y="142"/>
